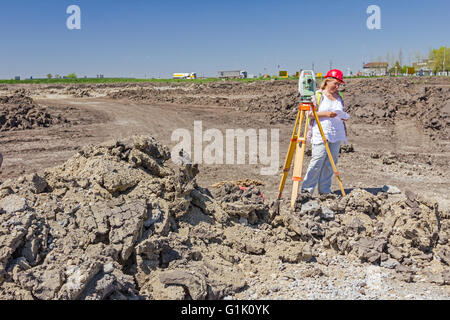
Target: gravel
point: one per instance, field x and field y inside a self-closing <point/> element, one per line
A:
<point x="342" y="279"/>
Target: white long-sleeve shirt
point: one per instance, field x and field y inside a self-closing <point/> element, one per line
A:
<point x="333" y="128"/>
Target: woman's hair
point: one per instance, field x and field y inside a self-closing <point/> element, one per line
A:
<point x="324" y="83"/>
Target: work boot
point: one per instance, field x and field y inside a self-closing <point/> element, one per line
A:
<point x="325" y="196"/>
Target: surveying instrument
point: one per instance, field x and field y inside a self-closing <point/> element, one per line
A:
<point x="307" y="88"/>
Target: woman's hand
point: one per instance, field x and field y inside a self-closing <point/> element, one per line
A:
<point x="329" y="114"/>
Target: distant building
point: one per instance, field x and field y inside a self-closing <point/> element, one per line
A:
<point x="375" y="69"/>
<point x="423" y="67"/>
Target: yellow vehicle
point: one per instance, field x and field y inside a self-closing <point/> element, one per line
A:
<point x="191" y="75"/>
<point x="283" y="74"/>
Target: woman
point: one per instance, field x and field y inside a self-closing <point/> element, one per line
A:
<point x="330" y="110"/>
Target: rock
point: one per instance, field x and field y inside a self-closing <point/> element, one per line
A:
<point x="13" y="204"/>
<point x="296" y="254"/>
<point x="124" y="235"/>
<point x="240" y="202"/>
<point x="347" y="148"/>
<point x="389" y="160"/>
<point x="370" y="250"/>
<point x="327" y="213"/>
<point x="390" y="189"/>
<point x="108" y="268"/>
<point x="313" y="272"/>
<point x="43" y="283"/>
<point x="311" y="207"/>
<point x="444" y="255"/>
<point x="402" y="268"/>
<point x="295" y="224"/>
<point x="395" y="253"/>
<point x="194" y="283"/>
<point x="389" y="263"/>
<point x="38" y="184"/>
<point x="410" y="195"/>
<point x="359" y="200"/>
<point x="446" y="277"/>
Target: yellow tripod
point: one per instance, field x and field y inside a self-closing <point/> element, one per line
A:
<point x="297" y="146"/>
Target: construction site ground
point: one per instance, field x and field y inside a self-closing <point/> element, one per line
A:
<point x="420" y="163"/>
<point x="402" y="148"/>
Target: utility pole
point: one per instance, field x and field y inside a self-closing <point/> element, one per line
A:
<point x="313" y="66"/>
<point x="331" y="64"/>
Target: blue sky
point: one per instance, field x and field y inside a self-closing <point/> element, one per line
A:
<point x="145" y="38"/>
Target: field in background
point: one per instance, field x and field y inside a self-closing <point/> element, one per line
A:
<point x="122" y="80"/>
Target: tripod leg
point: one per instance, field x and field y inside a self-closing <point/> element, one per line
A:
<point x="298" y="163"/>
<point x="290" y="154"/>
<point x="330" y="157"/>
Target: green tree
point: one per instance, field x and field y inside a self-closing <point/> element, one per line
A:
<point x="49" y="76"/>
<point x="72" y="76"/>
<point x="437" y="57"/>
<point x="396" y="69"/>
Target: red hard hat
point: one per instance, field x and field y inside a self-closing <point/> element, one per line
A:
<point x="337" y="74"/>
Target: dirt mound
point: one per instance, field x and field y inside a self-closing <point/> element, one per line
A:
<point x="264" y="96"/>
<point x="409" y="235"/>
<point x="239" y="183"/>
<point x="20" y="112"/>
<point x="115" y="221"/>
<point x="385" y="101"/>
<point x="373" y="101"/>
<point x="245" y="203"/>
<point x="121" y="221"/>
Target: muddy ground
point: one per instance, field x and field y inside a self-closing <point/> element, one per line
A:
<point x="366" y="249"/>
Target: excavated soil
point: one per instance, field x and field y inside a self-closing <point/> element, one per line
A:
<point x="371" y="101"/>
<point x="120" y="221"/>
<point x="20" y="112"/>
<point x="81" y="218"/>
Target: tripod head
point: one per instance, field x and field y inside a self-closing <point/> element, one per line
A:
<point x="307" y="85"/>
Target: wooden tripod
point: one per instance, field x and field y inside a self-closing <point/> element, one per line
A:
<point x="297" y="146"/>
